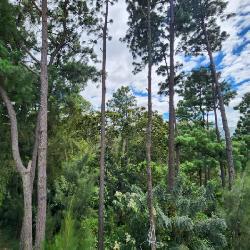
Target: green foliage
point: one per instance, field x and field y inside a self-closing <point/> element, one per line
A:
<point x="75" y="188"/>
<point x="199" y="214"/>
<point x="236" y="211"/>
<point x="7" y="21"/>
<point x="198" y="97"/>
<point x="67" y="239"/>
<point x="137" y="34"/>
<point x="199" y="12"/>
<point x="186" y="220"/>
<point x="188" y="217"/>
<point x="70" y="237"/>
<point x="200" y="152"/>
<point x="243" y="126"/>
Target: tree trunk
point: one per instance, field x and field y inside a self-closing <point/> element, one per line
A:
<point x="177" y="160"/>
<point x="216" y="122"/>
<point x="222" y="176"/>
<point x="151" y="235"/>
<point x="177" y="149"/>
<point x="207" y="120"/>
<point x="25" y="173"/>
<point x="171" y="153"/>
<point x="124" y="151"/>
<point x="32" y="177"/>
<point x="229" y="149"/>
<point x="222" y="172"/>
<point x="42" y="145"/>
<point x="103" y="143"/>
<point x="200" y="176"/>
<point x="126" y="160"/>
<point x="26" y="232"/>
<point x="206" y="175"/>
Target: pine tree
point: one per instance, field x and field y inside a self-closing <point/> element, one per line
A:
<point x="203" y="34"/>
<point x="43" y="135"/>
<point x="104" y="35"/>
<point x="243" y="126"/>
<point x="123" y="107"/>
<point x="199" y="100"/>
<point x="171" y="138"/>
<point x="103" y="144"/>
<point x="143" y="37"/>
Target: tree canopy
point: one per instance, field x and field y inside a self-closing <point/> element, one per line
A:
<point x="120" y="174"/>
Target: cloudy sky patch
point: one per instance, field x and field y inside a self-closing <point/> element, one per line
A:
<point x="233" y="61"/>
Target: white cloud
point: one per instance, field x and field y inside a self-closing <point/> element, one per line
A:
<point x="119" y="60"/>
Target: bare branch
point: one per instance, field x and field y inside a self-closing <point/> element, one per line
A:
<point x="57" y="49"/>
<point x="30" y="54"/>
<point x="36" y="7"/>
<point x="14" y="132"/>
<point x="30" y="69"/>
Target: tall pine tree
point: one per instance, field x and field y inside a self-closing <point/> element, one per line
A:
<point x="203" y="34"/>
<point x="143" y="37"/>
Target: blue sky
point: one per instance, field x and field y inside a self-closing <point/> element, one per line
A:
<point x="233" y="61"/>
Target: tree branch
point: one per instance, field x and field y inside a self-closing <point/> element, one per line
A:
<point x="62" y="41"/>
<point x="36" y="7"/>
<point x="31" y="55"/>
<point x="55" y="52"/>
<point x="14" y="132"/>
<point x="30" y="69"/>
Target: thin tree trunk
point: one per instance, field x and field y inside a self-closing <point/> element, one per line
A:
<point x="171" y="140"/>
<point x="177" y="160"/>
<point x="229" y="149"/>
<point x="126" y="151"/>
<point x="25" y="173"/>
<point x="207" y="120"/>
<point x="123" y="151"/>
<point x="43" y="136"/>
<point x="206" y="125"/>
<point x="177" y="149"/>
<point x="203" y="118"/>
<point x="222" y="171"/>
<point x="151" y="235"/>
<point x="201" y="109"/>
<point x="103" y="132"/>
<point x="200" y="176"/>
<point x="216" y="124"/>
<point x="206" y="175"/>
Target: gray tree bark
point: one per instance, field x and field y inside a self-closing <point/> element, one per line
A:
<point x="32" y="175"/>
<point x="222" y="171"/>
<point x="171" y="138"/>
<point x="26" y="232"/>
<point x="25" y="173"/>
<point x="177" y="148"/>
<point x="103" y="135"/>
<point x="152" y="234"/>
<point x="42" y="145"/>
